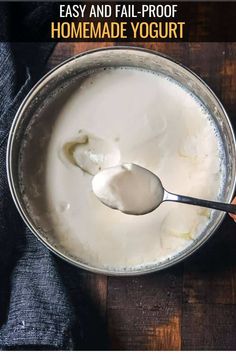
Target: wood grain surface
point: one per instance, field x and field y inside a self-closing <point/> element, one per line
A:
<point x="191" y="306"/>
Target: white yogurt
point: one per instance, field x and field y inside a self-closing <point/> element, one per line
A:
<point x="129" y="188"/>
<point x="112" y="117"/>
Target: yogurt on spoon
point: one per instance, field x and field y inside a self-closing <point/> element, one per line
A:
<point x="128" y="188"/>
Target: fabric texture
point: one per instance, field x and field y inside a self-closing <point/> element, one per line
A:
<point x="39" y="294"/>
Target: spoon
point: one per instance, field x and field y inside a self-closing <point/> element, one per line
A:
<point x="133" y="189"/>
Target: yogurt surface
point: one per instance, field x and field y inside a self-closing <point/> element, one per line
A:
<point x="112" y="117"/>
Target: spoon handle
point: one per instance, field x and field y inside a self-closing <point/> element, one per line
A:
<point x="229" y="208"/>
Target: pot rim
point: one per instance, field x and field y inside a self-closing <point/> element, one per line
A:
<point x="140" y="271"/>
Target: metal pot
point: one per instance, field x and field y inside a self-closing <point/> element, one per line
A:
<point x="54" y="82"/>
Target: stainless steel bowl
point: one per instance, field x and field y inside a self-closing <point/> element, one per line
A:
<point x="54" y="82"/>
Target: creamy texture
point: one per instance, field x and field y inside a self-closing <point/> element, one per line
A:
<point x="90" y="153"/>
<point x="129" y="188"/>
<point x="109" y="118"/>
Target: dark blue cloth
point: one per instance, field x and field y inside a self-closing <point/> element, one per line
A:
<point x="36" y="310"/>
<point x="34" y="304"/>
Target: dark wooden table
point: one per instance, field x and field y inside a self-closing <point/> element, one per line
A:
<point x="192" y="305"/>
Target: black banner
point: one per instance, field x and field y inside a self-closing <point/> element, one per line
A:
<point x="118" y="21"/>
